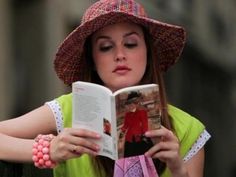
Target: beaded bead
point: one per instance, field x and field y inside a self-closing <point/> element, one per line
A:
<point x="41" y="152"/>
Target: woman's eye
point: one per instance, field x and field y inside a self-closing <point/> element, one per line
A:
<point x="105" y="48"/>
<point x="131" y="45"/>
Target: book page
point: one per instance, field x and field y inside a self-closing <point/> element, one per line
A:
<point x="92" y="110"/>
<point x="138" y="110"/>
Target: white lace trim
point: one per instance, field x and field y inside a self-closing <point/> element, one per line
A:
<point x="56" y="109"/>
<point x="201" y="141"/>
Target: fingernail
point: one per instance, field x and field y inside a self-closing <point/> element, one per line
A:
<point x="146" y="154"/>
<point x="98" y="135"/>
<point x="97" y="147"/>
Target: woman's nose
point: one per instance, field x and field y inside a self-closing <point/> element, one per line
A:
<point x="120" y="55"/>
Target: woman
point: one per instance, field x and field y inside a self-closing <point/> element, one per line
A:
<point x="116" y="45"/>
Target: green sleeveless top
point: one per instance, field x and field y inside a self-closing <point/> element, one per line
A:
<point x="187" y="128"/>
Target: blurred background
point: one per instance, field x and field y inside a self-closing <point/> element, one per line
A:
<point x="202" y="83"/>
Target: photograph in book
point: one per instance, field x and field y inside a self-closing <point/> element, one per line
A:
<point x="137" y="111"/>
<point x="121" y="117"/>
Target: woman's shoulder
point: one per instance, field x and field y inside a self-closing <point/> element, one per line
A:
<point x="187" y="128"/>
<point x="183" y="119"/>
<point x="65" y="98"/>
<point x="65" y="107"/>
<point x="65" y="101"/>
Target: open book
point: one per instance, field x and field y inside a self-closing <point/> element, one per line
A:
<point x="121" y="117"/>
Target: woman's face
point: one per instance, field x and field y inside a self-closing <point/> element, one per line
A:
<point x="131" y="107"/>
<point x="120" y="55"/>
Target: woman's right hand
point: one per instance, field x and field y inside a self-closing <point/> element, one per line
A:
<point x="71" y="143"/>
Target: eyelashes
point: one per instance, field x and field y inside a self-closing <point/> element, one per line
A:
<point x="109" y="47"/>
<point x="131" y="45"/>
<point x="105" y="48"/>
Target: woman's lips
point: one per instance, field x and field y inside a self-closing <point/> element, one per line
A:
<point x="121" y="70"/>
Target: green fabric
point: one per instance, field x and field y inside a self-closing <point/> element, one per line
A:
<point x="69" y="168"/>
<point x="187" y="129"/>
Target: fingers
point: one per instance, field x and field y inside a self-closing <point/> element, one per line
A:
<point x="163" y="149"/>
<point x="72" y="143"/>
<point x="84" y="145"/>
<point x="78" y="150"/>
<point x="167" y="146"/>
<point x="166" y="149"/>
<point x="81" y="137"/>
<point x="83" y="133"/>
<point x="163" y="133"/>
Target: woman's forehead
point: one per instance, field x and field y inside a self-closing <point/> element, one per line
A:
<point x="123" y="27"/>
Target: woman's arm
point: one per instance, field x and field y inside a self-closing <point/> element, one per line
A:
<point x="17" y="137"/>
<point x="17" y="134"/>
<point x="195" y="165"/>
<point x="15" y="149"/>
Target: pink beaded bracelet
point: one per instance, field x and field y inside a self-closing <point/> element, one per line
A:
<point x="41" y="151"/>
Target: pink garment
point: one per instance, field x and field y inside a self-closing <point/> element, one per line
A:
<point x="137" y="166"/>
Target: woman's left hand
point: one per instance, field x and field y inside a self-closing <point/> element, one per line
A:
<point x="166" y="149"/>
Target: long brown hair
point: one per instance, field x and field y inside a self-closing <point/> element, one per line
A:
<point x="152" y="74"/>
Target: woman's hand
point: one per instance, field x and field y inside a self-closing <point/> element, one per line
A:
<point x="167" y="150"/>
<point x="71" y="143"/>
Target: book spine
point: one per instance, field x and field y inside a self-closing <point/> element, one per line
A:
<point x="114" y="128"/>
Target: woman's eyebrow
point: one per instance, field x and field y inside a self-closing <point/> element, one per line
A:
<point x="102" y="37"/>
<point x="108" y="37"/>
<point x="131" y="33"/>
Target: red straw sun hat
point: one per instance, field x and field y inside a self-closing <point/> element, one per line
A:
<point x="168" y="39"/>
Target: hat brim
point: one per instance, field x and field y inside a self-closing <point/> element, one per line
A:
<point x="168" y="41"/>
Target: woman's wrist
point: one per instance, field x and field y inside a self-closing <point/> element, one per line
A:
<point x="41" y="152"/>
